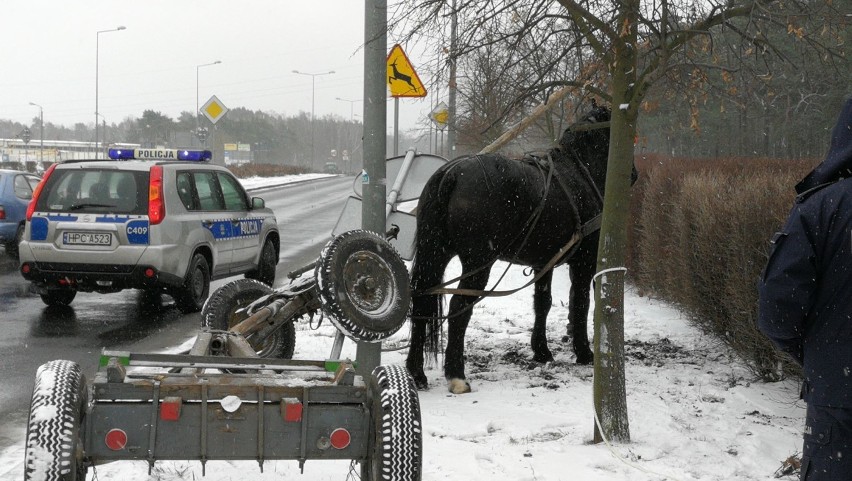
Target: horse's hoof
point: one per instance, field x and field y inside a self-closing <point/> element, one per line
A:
<point x="459" y="386"/>
<point x="585" y="358"/>
<point x="420" y="382"/>
<point x="543" y="358"/>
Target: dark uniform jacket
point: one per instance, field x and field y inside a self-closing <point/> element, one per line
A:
<point x="806" y="290"/>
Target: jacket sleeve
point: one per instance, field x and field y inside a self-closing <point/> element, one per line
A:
<point x="788" y="285"/>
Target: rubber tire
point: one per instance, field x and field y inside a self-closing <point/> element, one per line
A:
<point x="54" y="442"/>
<point x="396" y="453"/>
<point x="12" y="247"/>
<point x="59" y="296"/>
<point x="191" y="295"/>
<point x="220" y="313"/>
<point x="265" y="271"/>
<point x="363" y="313"/>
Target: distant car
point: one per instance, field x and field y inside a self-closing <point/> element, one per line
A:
<point x="330" y="168"/>
<point x="16" y="190"/>
<point x="171" y="223"/>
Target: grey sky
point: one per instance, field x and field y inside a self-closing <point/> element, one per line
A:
<point x="49" y="50"/>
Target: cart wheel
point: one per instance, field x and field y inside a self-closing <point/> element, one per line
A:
<point x="397" y="450"/>
<point x="220" y="312"/>
<point x="363" y="285"/>
<point x="54" y="447"/>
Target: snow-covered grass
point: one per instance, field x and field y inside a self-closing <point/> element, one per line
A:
<point x="695" y="412"/>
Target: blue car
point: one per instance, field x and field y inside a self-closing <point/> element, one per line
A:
<point x="16" y="190"/>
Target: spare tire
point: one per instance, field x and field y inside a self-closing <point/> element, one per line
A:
<point x="363" y="286"/>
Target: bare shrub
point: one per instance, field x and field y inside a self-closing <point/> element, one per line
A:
<point x="265" y="170"/>
<point x="702" y="241"/>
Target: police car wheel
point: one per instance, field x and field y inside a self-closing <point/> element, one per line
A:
<point x="224" y="310"/>
<point x="54" y="445"/>
<point x="58" y="296"/>
<point x="196" y="286"/>
<point x="265" y="271"/>
<point x="396" y="453"/>
<point x="363" y="285"/>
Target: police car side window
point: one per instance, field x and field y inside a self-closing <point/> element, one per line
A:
<point x="209" y="196"/>
<point x="184" y="188"/>
<point x="233" y="193"/>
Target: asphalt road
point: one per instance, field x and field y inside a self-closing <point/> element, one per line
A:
<point x="32" y="333"/>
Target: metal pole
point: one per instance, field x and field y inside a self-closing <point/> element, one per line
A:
<point x="41" y="132"/>
<point x="197" y="108"/>
<point x="374" y="187"/>
<point x="395" y="126"/>
<point x="97" y="56"/>
<point x="313" y="91"/>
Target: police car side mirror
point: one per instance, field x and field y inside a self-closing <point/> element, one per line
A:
<point x="257" y="203"/>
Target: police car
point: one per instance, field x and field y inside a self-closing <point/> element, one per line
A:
<point x="155" y="219"/>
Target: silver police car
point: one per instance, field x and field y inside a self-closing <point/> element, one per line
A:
<point x="156" y="219"/>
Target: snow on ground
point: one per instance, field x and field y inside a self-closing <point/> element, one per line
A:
<point x="695" y="412"/>
<point x="251" y="183"/>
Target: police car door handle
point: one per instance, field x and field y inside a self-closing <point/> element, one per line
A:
<point x="235" y="222"/>
<point x="207" y="223"/>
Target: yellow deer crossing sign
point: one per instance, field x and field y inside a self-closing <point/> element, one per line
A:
<point x="402" y="79"/>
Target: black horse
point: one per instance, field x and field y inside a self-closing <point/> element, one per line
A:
<point x="535" y="211"/>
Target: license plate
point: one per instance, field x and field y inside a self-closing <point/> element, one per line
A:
<point x="86" y="238"/>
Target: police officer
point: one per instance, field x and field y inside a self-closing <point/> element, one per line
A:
<point x="806" y="304"/>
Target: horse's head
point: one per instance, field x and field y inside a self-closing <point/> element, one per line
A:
<point x="588" y="140"/>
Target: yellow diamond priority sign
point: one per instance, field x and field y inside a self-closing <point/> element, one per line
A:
<point x="214" y="109"/>
<point x="402" y="79"/>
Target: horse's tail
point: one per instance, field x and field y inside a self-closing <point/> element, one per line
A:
<point x="433" y="252"/>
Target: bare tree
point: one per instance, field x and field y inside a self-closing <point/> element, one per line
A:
<point x="620" y="50"/>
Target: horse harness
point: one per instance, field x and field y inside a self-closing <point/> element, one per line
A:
<point x="565" y="253"/>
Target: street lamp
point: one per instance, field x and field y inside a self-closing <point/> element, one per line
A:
<point x="197" y="108"/>
<point x="351" y="107"/>
<point x="41" y="137"/>
<point x="313" y="91"/>
<point x="97" y="45"/>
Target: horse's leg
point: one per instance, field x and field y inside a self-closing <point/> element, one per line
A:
<point x="458" y="319"/>
<point x="414" y="362"/>
<point x="578" y="310"/>
<point x="428" y="271"/>
<point x="541" y="305"/>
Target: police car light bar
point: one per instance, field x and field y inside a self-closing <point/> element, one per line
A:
<point x="160" y="154"/>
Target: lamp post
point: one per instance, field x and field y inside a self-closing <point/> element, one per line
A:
<point x="351" y="107"/>
<point x="313" y="92"/>
<point x="97" y="46"/>
<point x="41" y="136"/>
<point x="197" y="108"/>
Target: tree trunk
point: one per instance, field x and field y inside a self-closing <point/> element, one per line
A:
<point x="610" y="397"/>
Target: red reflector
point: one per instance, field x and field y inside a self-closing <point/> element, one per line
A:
<point x="340" y="438"/>
<point x="292" y="410"/>
<point x="170" y="408"/>
<point x="116" y="439"/>
<point x="150" y="272"/>
<point x="25" y="268"/>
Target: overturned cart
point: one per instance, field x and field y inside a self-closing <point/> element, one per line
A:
<point x="236" y="395"/>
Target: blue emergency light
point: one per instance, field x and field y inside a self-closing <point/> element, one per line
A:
<point x="160" y="154"/>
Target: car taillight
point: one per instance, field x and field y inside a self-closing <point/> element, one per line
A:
<point x="156" y="203"/>
<point x="37" y="192"/>
<point x="2" y="213"/>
